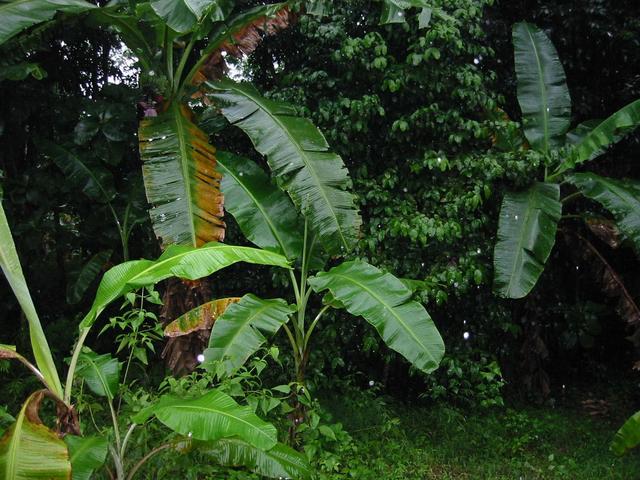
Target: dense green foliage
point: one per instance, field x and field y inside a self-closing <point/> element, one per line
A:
<point x="426" y="108"/>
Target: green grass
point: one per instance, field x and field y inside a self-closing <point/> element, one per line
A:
<point x="444" y="443"/>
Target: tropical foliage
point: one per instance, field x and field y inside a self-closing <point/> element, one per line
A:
<point x="529" y="220"/>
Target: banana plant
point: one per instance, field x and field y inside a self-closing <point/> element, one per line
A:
<point x="30" y="449"/>
<point x="303" y="210"/>
<point x="529" y="219"/>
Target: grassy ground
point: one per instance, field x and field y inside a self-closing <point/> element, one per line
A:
<point x="444" y="443"/>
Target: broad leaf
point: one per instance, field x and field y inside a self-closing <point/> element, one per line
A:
<point x="18" y="15"/>
<point x="608" y="132"/>
<point x="100" y="372"/>
<point x="199" y="318"/>
<point x="179" y="261"/>
<point x="238" y="333"/>
<point x="181" y="180"/>
<point x="280" y="461"/>
<point x="264" y="213"/>
<point x="385" y="302"/>
<point x="542" y="89"/>
<point x="212" y="416"/>
<point x="620" y="197"/>
<point x="94" y="181"/>
<point x="29" y="450"/>
<point x="183" y="15"/>
<point x="77" y="287"/>
<point x="628" y="436"/>
<point x="299" y="157"/>
<point x="87" y="454"/>
<point x="526" y="235"/>
<point x="10" y="264"/>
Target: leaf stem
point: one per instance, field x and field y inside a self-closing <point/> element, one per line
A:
<point x="73" y="364"/>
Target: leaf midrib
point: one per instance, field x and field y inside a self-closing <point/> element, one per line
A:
<point x="543" y="91"/>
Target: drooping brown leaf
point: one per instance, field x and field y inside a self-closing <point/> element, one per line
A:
<point x="200" y="318"/>
<point x="243" y="34"/>
<point x="612" y="284"/>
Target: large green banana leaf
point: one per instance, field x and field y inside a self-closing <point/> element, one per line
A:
<point x="17" y="15"/>
<point x="628" y="436"/>
<point x="264" y="213"/>
<point x="280" y="461"/>
<point x="10" y="264"/>
<point x="385" y="302"/>
<point x="29" y="450"/>
<point x="213" y="416"/>
<point x="526" y="235"/>
<point x="238" y="333"/>
<point x="542" y="88"/>
<point x="608" y="132"/>
<point x="87" y="454"/>
<point x="177" y="260"/>
<point x="199" y="318"/>
<point x="620" y="197"/>
<point x="299" y="157"/>
<point x="101" y="373"/>
<point x="180" y="179"/>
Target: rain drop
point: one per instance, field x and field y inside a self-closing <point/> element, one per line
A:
<point x="516" y="217"/>
<point x="200" y="358"/>
<point x="371" y="383"/>
<point x="466" y="335"/>
<point x="476" y="61"/>
<point x="478" y="250"/>
<point x="405" y="190"/>
<point x="241" y="174"/>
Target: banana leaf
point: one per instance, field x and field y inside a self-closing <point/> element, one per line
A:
<point x="199" y="318"/>
<point x="280" y="461"/>
<point x="18" y="15"/>
<point x="87" y="454"/>
<point x="94" y="181"/>
<point x="526" y="235"/>
<point x="177" y="260"/>
<point x="628" y="436"/>
<point x="213" y="416"/>
<point x="299" y="157"/>
<point x="101" y="373"/>
<point x="180" y="178"/>
<point x="385" y="302"/>
<point x="264" y="213"/>
<point x="10" y="264"/>
<point x="238" y="333"/>
<point x="620" y="197"/>
<point x="543" y="94"/>
<point x="81" y="280"/>
<point x="28" y="449"/>
<point x="607" y="133"/>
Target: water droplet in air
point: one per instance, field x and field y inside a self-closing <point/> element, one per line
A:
<point x="466" y="335"/>
<point x="371" y="383"/>
<point x="476" y="61"/>
<point x="479" y="251"/>
<point x="405" y="190"/>
<point x="241" y="174"/>
<point x="200" y="358"/>
<point x="515" y="216"/>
